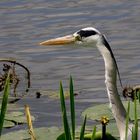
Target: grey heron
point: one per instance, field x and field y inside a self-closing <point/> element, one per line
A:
<point x="92" y="37"/>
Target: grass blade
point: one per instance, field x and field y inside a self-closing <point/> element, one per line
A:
<point x="4" y="102"/>
<point x="64" y="114"/>
<point x="139" y="96"/>
<point x="72" y="108"/>
<point x="93" y="133"/>
<point x="83" y="129"/>
<point x="135" y="127"/>
<point x="136" y="118"/>
<point x="133" y="134"/>
<point x="127" y="121"/>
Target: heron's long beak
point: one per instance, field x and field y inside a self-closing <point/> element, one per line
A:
<point x="59" y="41"/>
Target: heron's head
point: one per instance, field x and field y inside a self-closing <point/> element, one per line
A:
<point x="85" y="36"/>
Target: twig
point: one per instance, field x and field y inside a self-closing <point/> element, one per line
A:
<point x="29" y="122"/>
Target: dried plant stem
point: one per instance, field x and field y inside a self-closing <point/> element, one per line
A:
<point x="19" y="64"/>
<point x="29" y="122"/>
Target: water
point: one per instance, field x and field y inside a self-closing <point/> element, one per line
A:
<point x="23" y="24"/>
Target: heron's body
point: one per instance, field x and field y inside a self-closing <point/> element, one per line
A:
<point x="91" y="36"/>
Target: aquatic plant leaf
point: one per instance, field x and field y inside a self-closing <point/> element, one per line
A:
<point x="96" y="112"/>
<point x="64" y="114"/>
<point x="61" y="137"/>
<point x="83" y="129"/>
<point x="111" y="128"/>
<point x="136" y="119"/>
<point x="93" y="133"/>
<point x="53" y="132"/>
<point x="72" y="107"/>
<point x="98" y="136"/>
<point x="14" y="108"/>
<point x="41" y="134"/>
<point x="17" y="117"/>
<point x="127" y="121"/>
<point x="14" y="114"/>
<point x="13" y="117"/>
<point x="4" y="102"/>
<point x="139" y="96"/>
<point x="8" y="124"/>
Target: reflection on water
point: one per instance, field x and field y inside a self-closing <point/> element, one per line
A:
<point x="26" y="23"/>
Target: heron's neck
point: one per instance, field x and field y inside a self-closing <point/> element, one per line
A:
<point x="117" y="107"/>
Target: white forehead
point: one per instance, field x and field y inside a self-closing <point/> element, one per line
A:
<point x="90" y="28"/>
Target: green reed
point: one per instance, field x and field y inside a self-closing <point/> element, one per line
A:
<point x="4" y="102"/>
<point x="135" y="127"/>
<point x="127" y="121"/>
<point x="69" y="131"/>
<point x="83" y="129"/>
<point x="93" y="133"/>
<point x="72" y="107"/>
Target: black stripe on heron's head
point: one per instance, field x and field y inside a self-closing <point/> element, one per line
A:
<point x="86" y="33"/>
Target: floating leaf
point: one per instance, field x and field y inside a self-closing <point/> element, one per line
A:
<point x="14" y="117"/>
<point x="17" y="117"/>
<point x="96" y="112"/>
<point x="111" y="128"/>
<point x="8" y="124"/>
<point x="14" y="114"/>
<point x="41" y="134"/>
